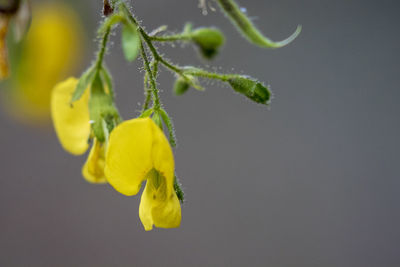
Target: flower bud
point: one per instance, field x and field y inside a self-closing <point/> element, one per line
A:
<point x="181" y="86"/>
<point x="101" y="108"/>
<point x="251" y="88"/>
<point x="209" y="40"/>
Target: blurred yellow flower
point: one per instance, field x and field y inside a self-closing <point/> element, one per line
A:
<point x="137" y="151"/>
<point x="72" y="125"/>
<point x="50" y="52"/>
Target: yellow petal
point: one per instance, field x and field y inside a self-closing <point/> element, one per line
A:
<point x="158" y="205"/>
<point x="93" y="170"/>
<point x="163" y="158"/>
<point x="135" y="147"/>
<point x="71" y="122"/>
<point x="128" y="157"/>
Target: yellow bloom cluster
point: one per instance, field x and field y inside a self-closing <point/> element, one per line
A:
<point x="136" y="150"/>
<point x="72" y="125"/>
<point x="50" y="51"/>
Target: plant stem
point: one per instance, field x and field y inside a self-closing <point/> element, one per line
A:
<point x="154" y="66"/>
<point x="170" y="38"/>
<point x="207" y="74"/>
<point x="156" y="97"/>
<point x="147" y="93"/>
<point x="103" y="48"/>
<point x="152" y="48"/>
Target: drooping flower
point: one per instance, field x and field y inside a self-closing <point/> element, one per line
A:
<point x="50" y="52"/>
<point x="71" y="121"/>
<point x="72" y="125"/>
<point x="139" y="151"/>
<point x="93" y="170"/>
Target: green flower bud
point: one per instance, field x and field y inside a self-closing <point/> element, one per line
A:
<point x="251" y="88"/>
<point x="101" y="108"/>
<point x="209" y="40"/>
<point x="181" y="86"/>
<point x="183" y="83"/>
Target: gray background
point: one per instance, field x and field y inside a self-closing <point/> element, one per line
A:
<point x="311" y="181"/>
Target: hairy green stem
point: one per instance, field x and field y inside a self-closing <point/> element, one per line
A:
<point x="103" y="48"/>
<point x="154" y="67"/>
<point x="207" y="74"/>
<point x="156" y="97"/>
<point x="152" y="48"/>
<point x="147" y="93"/>
<point x="171" y="38"/>
<point x="147" y="90"/>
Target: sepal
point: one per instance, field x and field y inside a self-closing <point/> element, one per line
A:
<point x="101" y="108"/>
<point x="251" y="88"/>
<point x="157" y="120"/>
<point x="84" y="82"/>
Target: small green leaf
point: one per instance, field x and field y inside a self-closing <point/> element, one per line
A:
<point x="130" y="42"/>
<point x="146" y="113"/>
<point x="158" y="30"/>
<point x="157" y="120"/>
<point x="106" y="77"/>
<point x="84" y="82"/>
<point x="248" y="29"/>
<point x="178" y="190"/>
<point x="187" y="29"/>
<point x="194" y="82"/>
<point x="184" y="82"/>
<point x="109" y="22"/>
<point x="168" y="122"/>
<point x="251" y="88"/>
<point x="188" y="76"/>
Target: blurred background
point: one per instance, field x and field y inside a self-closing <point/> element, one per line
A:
<point x="313" y="180"/>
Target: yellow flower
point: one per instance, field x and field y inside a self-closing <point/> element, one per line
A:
<point x="137" y="151"/>
<point x="93" y="170"/>
<point x="49" y="53"/>
<point x="71" y="121"/>
<point x="72" y="125"/>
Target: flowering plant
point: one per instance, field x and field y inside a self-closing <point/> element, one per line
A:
<point x="127" y="153"/>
